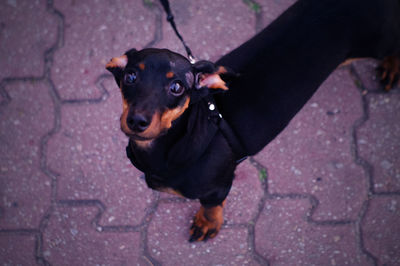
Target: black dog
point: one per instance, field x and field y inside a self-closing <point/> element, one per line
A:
<point x="187" y="136"/>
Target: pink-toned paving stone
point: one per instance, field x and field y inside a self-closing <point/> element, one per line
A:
<point x="379" y="140"/>
<point x="89" y="154"/>
<point x="71" y="239"/>
<point x="168" y="236"/>
<point x="27" y="30"/>
<point x="17" y="249"/>
<point x="24" y="188"/>
<point x="283" y="237"/>
<point x="223" y="27"/>
<point x="96" y="31"/>
<point x="243" y="199"/>
<point x="313" y="154"/>
<point x="381" y="230"/>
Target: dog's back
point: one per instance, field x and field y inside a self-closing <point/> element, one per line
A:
<point x="282" y="66"/>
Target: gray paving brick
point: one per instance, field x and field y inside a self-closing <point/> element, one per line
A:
<point x="17" y="250"/>
<point x="71" y="239"/>
<point x="96" y="31"/>
<point x="379" y="141"/>
<point x="381" y="230"/>
<point x="211" y="28"/>
<point x="284" y="237"/>
<point x="26" y="32"/>
<point x="243" y="200"/>
<point x="25" y="190"/>
<point x="89" y="155"/>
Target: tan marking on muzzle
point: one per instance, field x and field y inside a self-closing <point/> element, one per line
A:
<point x="124" y="115"/>
<point x="172" y="114"/>
<point x="159" y="123"/>
<point x="151" y="133"/>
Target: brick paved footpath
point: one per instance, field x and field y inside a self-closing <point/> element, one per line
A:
<point x="325" y="192"/>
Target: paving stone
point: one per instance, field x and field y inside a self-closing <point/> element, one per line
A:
<point x="110" y="29"/>
<point x="379" y="140"/>
<point x="71" y="239"/>
<point x="26" y="32"/>
<point x="222" y="28"/>
<point x="243" y="199"/>
<point x="284" y="238"/>
<point x="24" y="189"/>
<point x="313" y="154"/>
<point x="17" y="249"/>
<point x="89" y="154"/>
<point x="169" y="231"/>
<point x="381" y="230"/>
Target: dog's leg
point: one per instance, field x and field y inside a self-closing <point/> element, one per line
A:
<point x="207" y="222"/>
<point x="389" y="71"/>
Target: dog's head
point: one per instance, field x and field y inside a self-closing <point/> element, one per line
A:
<point x="157" y="86"/>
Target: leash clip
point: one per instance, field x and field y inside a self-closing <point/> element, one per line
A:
<point x="192" y="59"/>
<point x="170" y="19"/>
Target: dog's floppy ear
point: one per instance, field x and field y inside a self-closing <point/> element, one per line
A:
<point x="118" y="64"/>
<point x="116" y="67"/>
<point x="207" y="74"/>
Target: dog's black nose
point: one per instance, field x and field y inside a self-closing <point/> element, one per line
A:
<point x="138" y="122"/>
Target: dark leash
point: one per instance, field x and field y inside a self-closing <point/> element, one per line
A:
<point x="217" y="118"/>
<point x="170" y="19"/>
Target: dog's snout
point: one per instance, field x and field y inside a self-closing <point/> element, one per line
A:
<point x="138" y="122"/>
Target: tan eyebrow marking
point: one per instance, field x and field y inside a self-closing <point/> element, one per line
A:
<point x="170" y="74"/>
<point x="142" y="66"/>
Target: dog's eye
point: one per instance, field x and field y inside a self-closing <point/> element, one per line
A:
<point x="130" y="78"/>
<point x="176" y="88"/>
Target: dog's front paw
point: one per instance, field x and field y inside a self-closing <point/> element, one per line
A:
<point x="206" y="223"/>
<point x="389" y="71"/>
